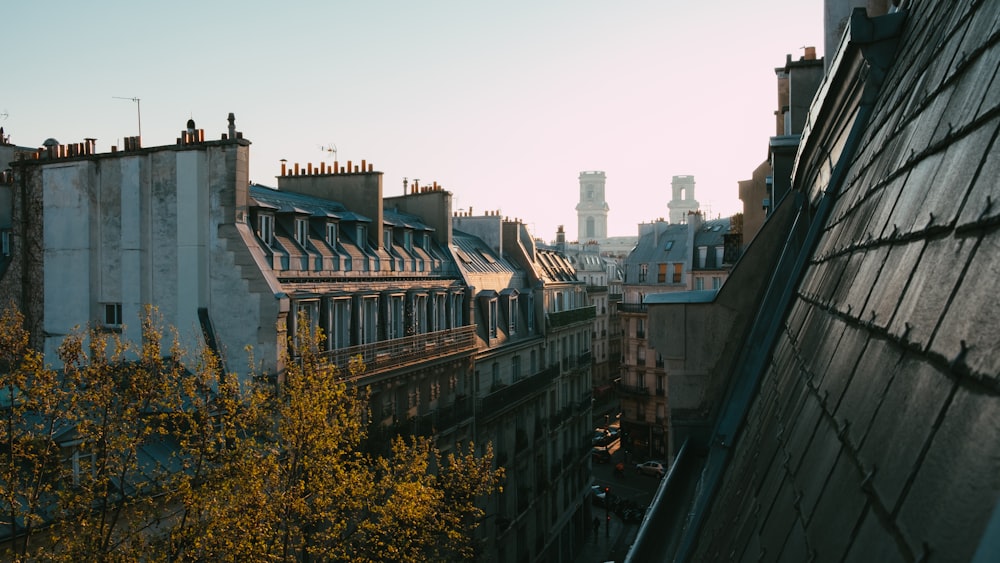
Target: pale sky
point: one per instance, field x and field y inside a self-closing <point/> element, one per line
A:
<point x="501" y="103"/>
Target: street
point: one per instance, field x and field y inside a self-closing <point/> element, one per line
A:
<point x="626" y="490"/>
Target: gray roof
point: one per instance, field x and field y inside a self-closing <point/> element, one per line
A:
<point x="281" y="201"/>
<point x="474" y="255"/>
<point x="870" y="431"/>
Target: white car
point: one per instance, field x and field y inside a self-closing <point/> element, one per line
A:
<point x="654" y="468"/>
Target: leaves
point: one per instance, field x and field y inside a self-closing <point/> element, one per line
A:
<point x="143" y="452"/>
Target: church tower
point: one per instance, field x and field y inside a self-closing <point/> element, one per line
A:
<point x="592" y="211"/>
<point x="683" y="200"/>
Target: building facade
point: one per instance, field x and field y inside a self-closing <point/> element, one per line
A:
<point x="533" y="381"/>
<point x="669" y="258"/>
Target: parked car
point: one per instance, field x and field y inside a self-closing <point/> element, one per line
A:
<point x="654" y="468"/>
<point x="605" y="437"/>
<point x="600" y="455"/>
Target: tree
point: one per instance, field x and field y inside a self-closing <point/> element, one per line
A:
<point x="32" y="405"/>
<point x="173" y="460"/>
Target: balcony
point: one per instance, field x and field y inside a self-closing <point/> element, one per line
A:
<point x="632" y="389"/>
<point x="632" y="308"/>
<point x="508" y="396"/>
<point x="387" y="355"/>
<point x="570" y="317"/>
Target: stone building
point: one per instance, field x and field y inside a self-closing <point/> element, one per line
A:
<point x="533" y="384"/>
<point x="669" y="258"/>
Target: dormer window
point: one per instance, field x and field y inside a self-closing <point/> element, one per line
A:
<point x="265" y="229"/>
<point x="425" y="241"/>
<point x="362" y="237"/>
<point x="331" y="234"/>
<point x="408" y="240"/>
<point x="493" y="318"/>
<point x="387" y="238"/>
<point x="302" y="231"/>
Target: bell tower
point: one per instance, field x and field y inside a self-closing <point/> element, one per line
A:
<point x="592" y="211"/>
<point x="683" y="202"/>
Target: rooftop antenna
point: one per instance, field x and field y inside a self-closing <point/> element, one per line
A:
<point x="330" y="149"/>
<point x="138" y="114"/>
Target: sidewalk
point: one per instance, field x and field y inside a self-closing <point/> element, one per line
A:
<point x="611" y="543"/>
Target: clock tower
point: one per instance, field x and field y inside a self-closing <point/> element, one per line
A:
<point x="592" y="211"/>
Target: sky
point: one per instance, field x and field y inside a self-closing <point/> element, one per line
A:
<point x="501" y="103"/>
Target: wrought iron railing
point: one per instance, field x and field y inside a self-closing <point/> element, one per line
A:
<point x="399" y="352"/>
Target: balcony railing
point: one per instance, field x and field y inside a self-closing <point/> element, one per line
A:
<point x="632" y="307"/>
<point x="566" y="318"/>
<point x="506" y="397"/>
<point x="632" y="389"/>
<point x="399" y="352"/>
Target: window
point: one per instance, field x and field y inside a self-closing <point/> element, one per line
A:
<point x="716" y="282"/>
<point x="113" y="315"/>
<point x="387" y="238"/>
<point x="395" y="324"/>
<point x="496" y="374"/>
<point x="331" y="234"/>
<point x="661" y="276"/>
<point x="82" y="463"/>
<point x="306" y="313"/>
<point x="420" y="324"/>
<point x="531" y="313"/>
<point x="640" y="328"/>
<point x="362" y="235"/>
<point x="493" y="318"/>
<point x="512" y="314"/>
<point x="456" y="310"/>
<point x="703" y="256"/>
<point x="339" y="331"/>
<point x="643" y="270"/>
<point x="439" y="313"/>
<point x="369" y="320"/>
<point x="408" y="240"/>
<point x="719" y="250"/>
<point x="301" y="231"/>
<point x="677" y="272"/>
<point x="669" y="245"/>
<point x="425" y="241"/>
<point x="699" y="283"/>
<point x="265" y="229"/>
<point x="515" y="367"/>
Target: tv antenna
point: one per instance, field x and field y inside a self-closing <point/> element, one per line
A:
<point x="138" y="114"/>
<point x="330" y="149"/>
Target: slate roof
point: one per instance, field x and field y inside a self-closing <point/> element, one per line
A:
<point x="553" y="266"/>
<point x="474" y="255"/>
<point x="282" y="201"/>
<point x="873" y="431"/>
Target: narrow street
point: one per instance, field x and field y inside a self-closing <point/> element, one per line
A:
<point x="630" y="489"/>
